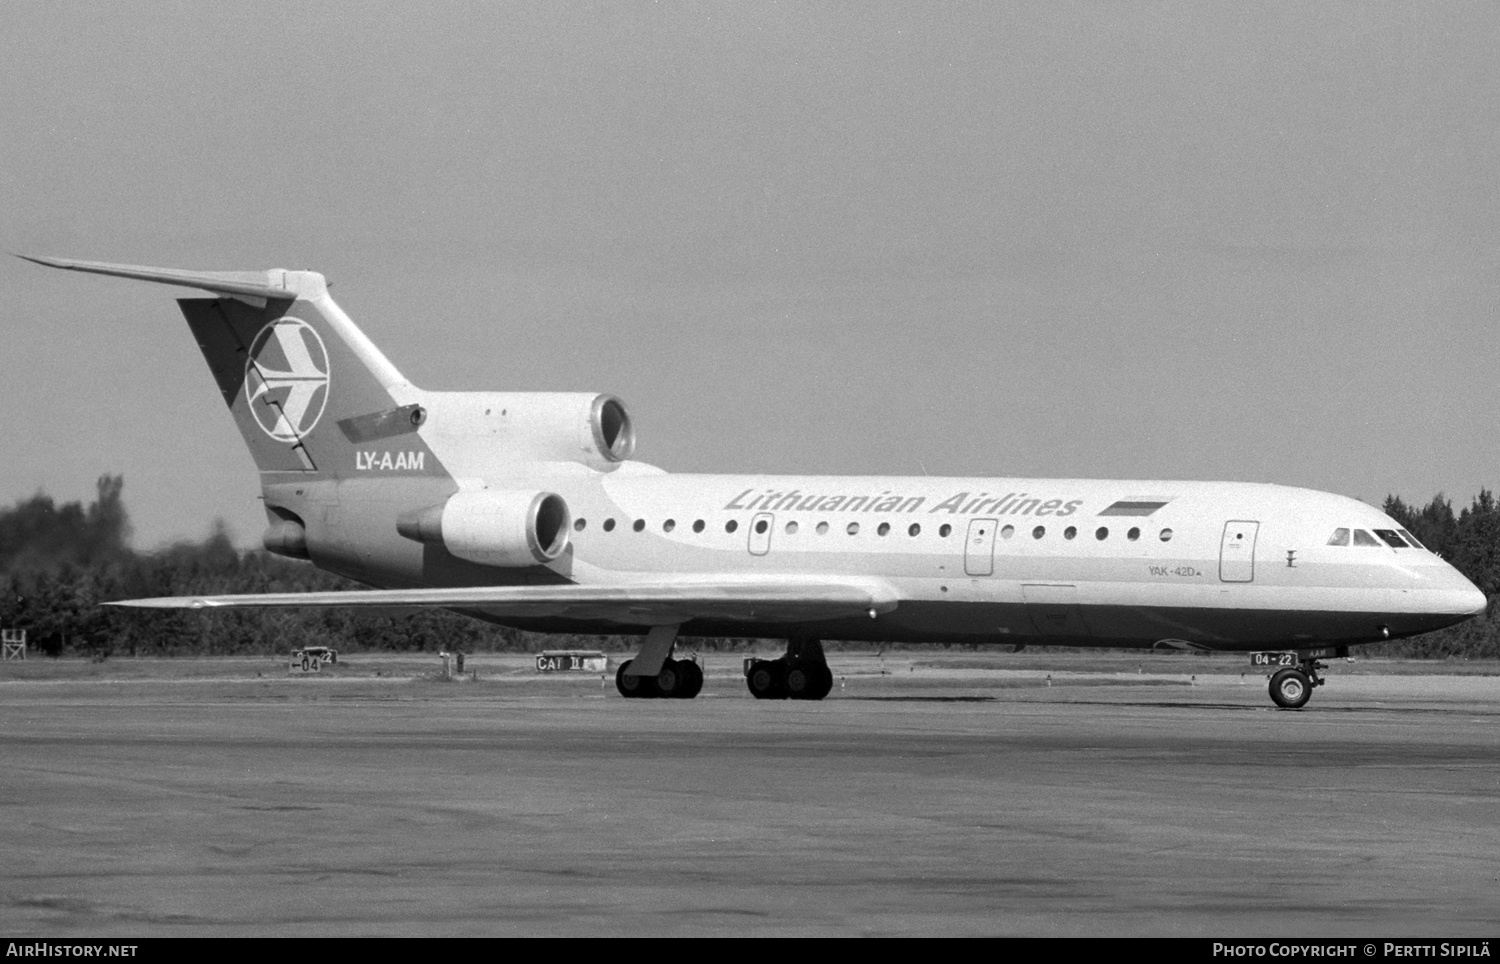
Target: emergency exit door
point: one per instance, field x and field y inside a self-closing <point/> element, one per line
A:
<point x="1237" y="551"/>
<point x="979" y="549"/>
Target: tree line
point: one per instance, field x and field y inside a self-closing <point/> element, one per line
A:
<point x="59" y="562"/>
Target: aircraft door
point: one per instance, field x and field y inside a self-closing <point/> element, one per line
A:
<point x="760" y="533"/>
<point x="979" y="550"/>
<point x="1237" y="551"/>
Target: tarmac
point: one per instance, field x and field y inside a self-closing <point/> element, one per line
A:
<point x="1054" y="795"/>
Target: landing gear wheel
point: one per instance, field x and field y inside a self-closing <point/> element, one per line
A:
<point x="669" y="682"/>
<point x="807" y="680"/>
<point x="634" y="687"/>
<point x="822" y="683"/>
<point x="801" y="679"/>
<point x="767" y="679"/>
<point x="692" y="679"/>
<point x="1291" y="689"/>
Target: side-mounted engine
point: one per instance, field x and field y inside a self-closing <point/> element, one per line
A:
<point x="494" y="528"/>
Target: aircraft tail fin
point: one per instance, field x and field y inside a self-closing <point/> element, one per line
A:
<point x="308" y="390"/>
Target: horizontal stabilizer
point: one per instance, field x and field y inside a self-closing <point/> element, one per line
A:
<point x="252" y="286"/>
<point x="654" y="602"/>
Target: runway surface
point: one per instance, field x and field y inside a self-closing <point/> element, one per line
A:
<point x="923" y="797"/>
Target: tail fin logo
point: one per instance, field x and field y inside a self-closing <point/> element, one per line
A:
<point x="286" y="379"/>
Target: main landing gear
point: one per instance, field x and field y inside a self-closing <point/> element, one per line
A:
<point x="802" y="674"/>
<point x="1292" y="688"/>
<point x="679" y="679"/>
<point x="654" y="674"/>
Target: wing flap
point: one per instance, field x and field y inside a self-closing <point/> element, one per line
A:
<point x="647" y="602"/>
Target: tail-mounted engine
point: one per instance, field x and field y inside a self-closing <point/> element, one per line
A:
<point x="536" y="426"/>
<point x="609" y="424"/>
<point x="494" y="528"/>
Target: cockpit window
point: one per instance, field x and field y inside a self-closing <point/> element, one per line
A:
<point x="1340" y="537"/>
<point x="1411" y="538"/>
<point x="1363" y="538"/>
<point x="1392" y="539"/>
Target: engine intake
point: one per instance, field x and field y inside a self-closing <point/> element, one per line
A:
<point x="613" y="433"/>
<point x="494" y="528"/>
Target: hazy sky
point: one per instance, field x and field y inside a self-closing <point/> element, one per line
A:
<point x="1237" y="241"/>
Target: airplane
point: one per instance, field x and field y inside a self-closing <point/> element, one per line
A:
<point x="526" y="509"/>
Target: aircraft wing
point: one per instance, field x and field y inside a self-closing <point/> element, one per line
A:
<point x="634" y="603"/>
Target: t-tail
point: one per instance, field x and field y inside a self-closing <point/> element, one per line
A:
<point x="306" y="387"/>
<point x="348" y="449"/>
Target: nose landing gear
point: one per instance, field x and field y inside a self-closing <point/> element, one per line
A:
<point x="1292" y="688"/>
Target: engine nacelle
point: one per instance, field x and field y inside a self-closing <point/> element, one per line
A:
<point x="536" y="426"/>
<point x="494" y="528"/>
<point x="286" y="537"/>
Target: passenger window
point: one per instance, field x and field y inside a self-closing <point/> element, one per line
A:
<point x="853" y="529"/>
<point x="791" y="528"/>
<point x="885" y="528"/>
<point x="578" y="524"/>
<point x="609" y="525"/>
<point x="945" y="530"/>
<point x="1391" y="539"/>
<point x="1340" y="537"/>
<point x="1363" y="538"/>
<point x="915" y="530"/>
<point x="698" y="526"/>
<point x="731" y="525"/>
<point x="1007" y="532"/>
<point x="1068" y="533"/>
<point x="638" y="525"/>
<point x="1039" y="531"/>
<point x="761" y="527"/>
<point x="1133" y="534"/>
<point x="1101" y="534"/>
<point x="669" y="525"/>
<point x="822" y="528"/>
<point x="1166" y="535"/>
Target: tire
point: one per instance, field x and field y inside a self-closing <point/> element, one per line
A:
<point x="1291" y="689"/>
<point x="806" y="680"/>
<point x="801" y="680"/>
<point x="797" y="680"/>
<point x="670" y="681"/>
<point x="823" y="685"/>
<point x="767" y="679"/>
<point x="634" y="687"/>
<point x="692" y="675"/>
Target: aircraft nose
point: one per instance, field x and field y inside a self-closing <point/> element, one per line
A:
<point x="1474" y="601"/>
<point x="1461" y="595"/>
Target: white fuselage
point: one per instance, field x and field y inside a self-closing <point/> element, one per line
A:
<point x="1220" y="565"/>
